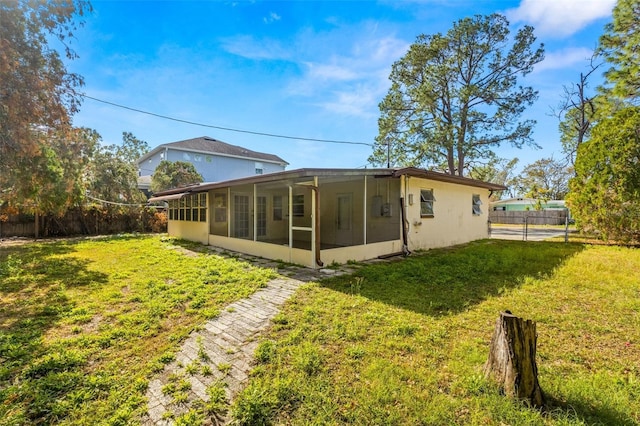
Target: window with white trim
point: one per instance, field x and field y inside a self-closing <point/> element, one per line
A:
<point x="192" y="208"/>
<point x="475" y="205"/>
<point x="426" y="202"/>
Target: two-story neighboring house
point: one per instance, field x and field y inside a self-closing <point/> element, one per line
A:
<point x="215" y="160"/>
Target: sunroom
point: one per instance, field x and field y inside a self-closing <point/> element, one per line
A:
<point x="311" y="217"/>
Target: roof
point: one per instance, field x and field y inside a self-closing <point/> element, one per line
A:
<point x="207" y="145"/>
<point x="300" y="173"/>
<point x="445" y="177"/>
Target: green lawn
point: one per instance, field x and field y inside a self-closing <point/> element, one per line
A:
<point x="84" y="324"/>
<point x="404" y="343"/>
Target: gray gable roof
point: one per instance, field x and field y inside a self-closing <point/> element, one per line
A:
<point x="205" y="144"/>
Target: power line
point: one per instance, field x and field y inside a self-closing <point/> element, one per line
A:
<point x="113" y="202"/>
<point x="271" y="135"/>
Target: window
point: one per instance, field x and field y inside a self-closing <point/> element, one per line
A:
<point x="259" y="168"/>
<point x="192" y="208"/>
<point x="261" y="216"/>
<point x="426" y="202"/>
<point x="277" y="207"/>
<point x="220" y="207"/>
<point x="298" y="205"/>
<point x="241" y="216"/>
<point x="475" y="205"/>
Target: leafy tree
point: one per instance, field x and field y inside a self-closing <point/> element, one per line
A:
<point x="455" y="97"/>
<point x="174" y="174"/>
<point x="497" y="170"/>
<point x="114" y="176"/>
<point x="132" y="148"/>
<point x="54" y="177"/>
<point x="605" y="194"/>
<point x="544" y="179"/>
<point x="619" y="47"/>
<point x="37" y="93"/>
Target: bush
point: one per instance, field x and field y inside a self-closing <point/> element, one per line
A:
<point x="158" y="222"/>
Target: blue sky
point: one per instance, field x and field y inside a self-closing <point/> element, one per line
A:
<point x="301" y="68"/>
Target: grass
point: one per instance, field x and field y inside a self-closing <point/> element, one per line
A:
<point x="85" y="323"/>
<point x="405" y="343"/>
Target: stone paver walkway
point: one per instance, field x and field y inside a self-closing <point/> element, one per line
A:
<point x="226" y="344"/>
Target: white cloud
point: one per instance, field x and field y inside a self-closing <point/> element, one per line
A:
<point x="248" y="47"/>
<point x="560" y="18"/>
<point x="271" y="18"/>
<point x="354" y="78"/>
<point x="356" y="101"/>
<point x="332" y="71"/>
<point x="345" y="70"/>
<point x="565" y="58"/>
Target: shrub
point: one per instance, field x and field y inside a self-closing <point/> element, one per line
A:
<point x="158" y="222"/>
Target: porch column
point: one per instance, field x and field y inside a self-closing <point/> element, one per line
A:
<point x="228" y="212"/>
<point x="290" y="208"/>
<point x="255" y="216"/>
<point x="364" y="210"/>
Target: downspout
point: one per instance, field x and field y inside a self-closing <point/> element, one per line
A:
<point x="316" y="220"/>
<point x="405" y="224"/>
<point x="405" y="245"/>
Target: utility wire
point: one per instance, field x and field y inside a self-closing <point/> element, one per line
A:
<point x="271" y="135"/>
<point x="114" y="203"/>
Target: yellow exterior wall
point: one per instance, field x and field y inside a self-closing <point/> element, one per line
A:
<point x="453" y="221"/>
<point x="266" y="250"/>
<point x="192" y="231"/>
<point x="359" y="253"/>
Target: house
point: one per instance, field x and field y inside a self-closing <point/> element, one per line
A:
<point x="527" y="204"/>
<point x="314" y="217"/>
<point x="213" y="159"/>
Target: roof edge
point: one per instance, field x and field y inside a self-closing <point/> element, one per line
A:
<point x="444" y="177"/>
<point x="308" y="172"/>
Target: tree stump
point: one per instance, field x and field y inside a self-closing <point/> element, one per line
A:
<point x="512" y="359"/>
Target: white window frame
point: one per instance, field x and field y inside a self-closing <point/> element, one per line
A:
<point x="259" y="168"/>
<point x="427" y="198"/>
<point x="476" y="202"/>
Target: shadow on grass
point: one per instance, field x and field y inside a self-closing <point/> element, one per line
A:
<point x="586" y="412"/>
<point x="444" y="281"/>
<point x="33" y="279"/>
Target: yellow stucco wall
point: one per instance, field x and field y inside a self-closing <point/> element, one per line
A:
<point x="192" y="231"/>
<point x="453" y="221"/>
<point x="359" y="253"/>
<point x="266" y="250"/>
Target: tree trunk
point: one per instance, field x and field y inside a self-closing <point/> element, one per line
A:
<point x="512" y="358"/>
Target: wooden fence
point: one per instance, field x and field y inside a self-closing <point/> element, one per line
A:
<point x="93" y="221"/>
<point x="532" y="217"/>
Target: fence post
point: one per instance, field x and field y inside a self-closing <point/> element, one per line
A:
<point x="526" y="228"/>
<point x="566" y="229"/>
